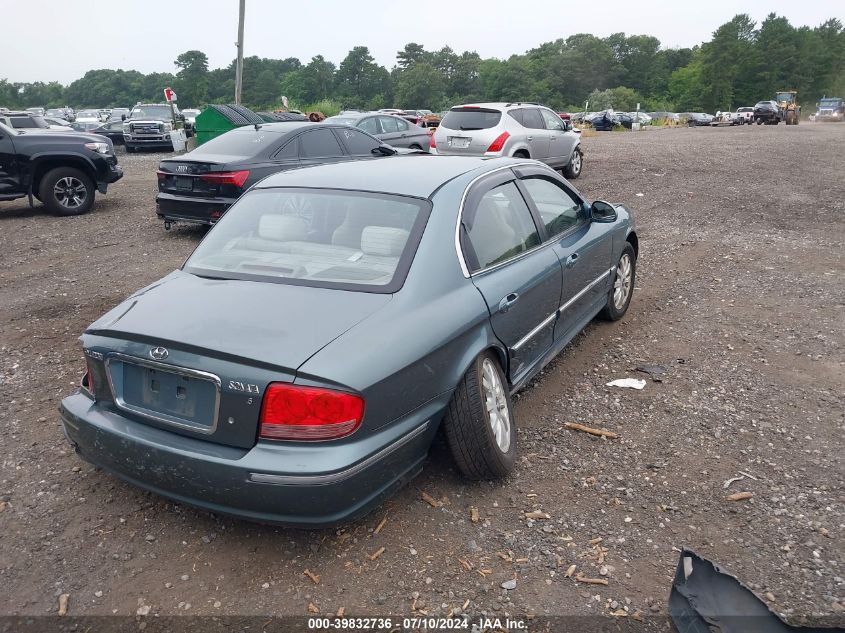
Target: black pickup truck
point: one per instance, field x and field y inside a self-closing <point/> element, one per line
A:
<point x="64" y="170"/>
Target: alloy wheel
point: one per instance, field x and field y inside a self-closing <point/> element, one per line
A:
<point x="70" y="192"/>
<point x="622" y="284"/>
<point x="496" y="403"/>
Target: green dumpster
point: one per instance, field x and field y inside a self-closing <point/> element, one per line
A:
<point x="218" y="119"/>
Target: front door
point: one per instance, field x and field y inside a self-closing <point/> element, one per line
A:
<point x="560" y="143"/>
<point x="584" y="248"/>
<point x="519" y="279"/>
<point x="9" y="172"/>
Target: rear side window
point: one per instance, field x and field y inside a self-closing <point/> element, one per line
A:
<point x="290" y="151"/>
<point x="319" y="144"/>
<point x="369" y="125"/>
<point x="471" y="119"/>
<point x="358" y="143"/>
<point x="499" y="228"/>
<point x="26" y="122"/>
<point x="389" y="124"/>
<point x="531" y="119"/>
<point x="246" y="141"/>
<point x="516" y="115"/>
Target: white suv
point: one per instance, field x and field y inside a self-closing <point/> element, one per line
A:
<point x="526" y="130"/>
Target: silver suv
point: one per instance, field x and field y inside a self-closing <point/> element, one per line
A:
<point x="526" y="130"/>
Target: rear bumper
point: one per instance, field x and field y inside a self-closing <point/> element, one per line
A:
<point x="190" y="209"/>
<point x="276" y="483"/>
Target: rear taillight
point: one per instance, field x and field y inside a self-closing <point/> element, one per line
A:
<point x="431" y="137"/>
<point x="87" y="379"/>
<point x="291" y="412"/>
<point x="162" y="174"/>
<point x="237" y="178"/>
<point x="499" y="143"/>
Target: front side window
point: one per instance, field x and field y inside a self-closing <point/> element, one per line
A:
<point x="389" y="124"/>
<point x="358" y="143"/>
<point x="553" y="121"/>
<point x="325" y="238"/>
<point x="559" y="210"/>
<point x="499" y="227"/>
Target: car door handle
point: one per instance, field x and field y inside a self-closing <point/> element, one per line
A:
<point x="506" y="303"/>
<point x="553" y="137"/>
<point x="529" y="138"/>
<point x="572" y="260"/>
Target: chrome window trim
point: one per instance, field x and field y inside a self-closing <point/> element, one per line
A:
<point x="458" y="249"/>
<point x="559" y="311"/>
<point x="173" y="369"/>
<point x="333" y="478"/>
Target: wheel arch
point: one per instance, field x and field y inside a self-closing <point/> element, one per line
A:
<point x="44" y="164"/>
<point x="634" y="241"/>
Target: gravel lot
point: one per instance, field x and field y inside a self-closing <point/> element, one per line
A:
<point x="740" y="298"/>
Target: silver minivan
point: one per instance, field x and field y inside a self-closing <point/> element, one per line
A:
<point x="526" y="130"/>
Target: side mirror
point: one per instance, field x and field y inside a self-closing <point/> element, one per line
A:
<point x="567" y="126"/>
<point x="122" y="117"/>
<point x="384" y="150"/>
<point x="601" y="211"/>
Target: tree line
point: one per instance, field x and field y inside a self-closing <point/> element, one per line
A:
<point x="743" y="63"/>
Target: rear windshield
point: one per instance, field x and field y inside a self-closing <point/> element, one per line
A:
<point x="26" y="122"/>
<point x="342" y="120"/>
<point x="325" y="238"/>
<point x="471" y="119"/>
<point x="246" y="141"/>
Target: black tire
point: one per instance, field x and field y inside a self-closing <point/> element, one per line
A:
<point x="576" y="164"/>
<point x="612" y="311"/>
<point x="67" y="191"/>
<point x="415" y="147"/>
<point x="521" y="154"/>
<point x="469" y="432"/>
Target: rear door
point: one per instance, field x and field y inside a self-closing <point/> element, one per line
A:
<point x="9" y="173"/>
<point x="536" y="134"/>
<point x="519" y="279"/>
<point x="584" y="248"/>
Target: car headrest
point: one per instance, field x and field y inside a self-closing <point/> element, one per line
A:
<point x="282" y="228"/>
<point x="384" y="241"/>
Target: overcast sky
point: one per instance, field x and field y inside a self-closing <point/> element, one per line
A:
<point x="59" y="41"/>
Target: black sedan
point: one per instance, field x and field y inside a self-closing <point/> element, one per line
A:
<point x="111" y="129"/>
<point x="201" y="185"/>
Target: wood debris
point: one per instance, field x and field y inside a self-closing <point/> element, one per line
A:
<point x="596" y="541"/>
<point x="377" y="553"/>
<point x="484" y="572"/>
<point x="340" y="612"/>
<point x="521" y="560"/>
<point x="3" y="505"/>
<point x="434" y="503"/>
<point x="570" y="571"/>
<point x="466" y="604"/>
<point x="466" y="564"/>
<point x="728" y="483"/>
<point x="505" y="557"/>
<point x="537" y="514"/>
<point x="473" y="514"/>
<point x="380" y="525"/>
<point x="620" y="613"/>
<point x="315" y="578"/>
<point x="63" y="600"/>
<point x="313" y="608"/>
<point x="588" y="429"/>
<point x="740" y="496"/>
<point x="591" y="581"/>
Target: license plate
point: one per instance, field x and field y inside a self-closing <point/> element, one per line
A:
<point x="459" y="142"/>
<point x="184" y="183"/>
<point x="169" y="396"/>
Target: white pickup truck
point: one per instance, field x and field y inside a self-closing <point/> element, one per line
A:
<point x="744" y="116"/>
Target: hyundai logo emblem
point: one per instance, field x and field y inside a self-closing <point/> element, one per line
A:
<point x="159" y="353"/>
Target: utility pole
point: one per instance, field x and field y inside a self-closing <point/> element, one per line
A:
<point x="239" y="66"/>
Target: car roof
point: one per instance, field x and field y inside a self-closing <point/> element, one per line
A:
<point x="280" y="127"/>
<point x="500" y="105"/>
<point x="416" y="175"/>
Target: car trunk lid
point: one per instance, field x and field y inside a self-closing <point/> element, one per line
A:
<point x="213" y="176"/>
<point x="195" y="355"/>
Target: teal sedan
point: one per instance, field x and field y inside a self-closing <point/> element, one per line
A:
<point x="297" y="367"/>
